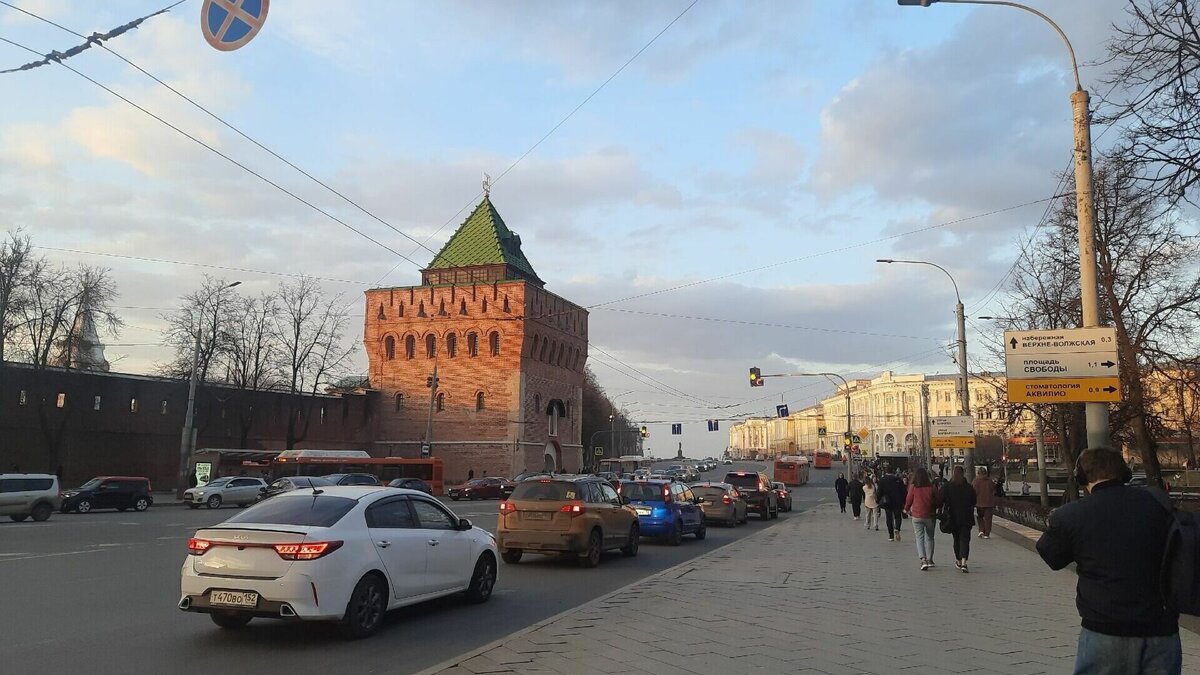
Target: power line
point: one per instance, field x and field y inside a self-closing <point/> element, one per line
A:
<point x="763" y="324"/>
<point x="227" y="268"/>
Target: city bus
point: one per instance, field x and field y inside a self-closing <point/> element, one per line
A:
<point x="625" y="464"/>
<point x="791" y="471"/>
<point x="325" y="462"/>
<point x="823" y="460"/>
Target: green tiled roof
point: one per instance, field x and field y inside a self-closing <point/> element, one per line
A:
<point x="484" y="239"/>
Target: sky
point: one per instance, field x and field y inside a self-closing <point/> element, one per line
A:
<point x="718" y="204"/>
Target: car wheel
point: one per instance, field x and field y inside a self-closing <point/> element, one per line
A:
<point x="19" y="518"/>
<point x="511" y="556"/>
<point x="141" y="504"/>
<point x="230" y="620"/>
<point x="591" y="557"/>
<point x="676" y="536"/>
<point x="765" y="513"/>
<point x="365" y="610"/>
<point x="214" y="502"/>
<point x="83" y="506"/>
<point x="483" y="580"/>
<point x="702" y="532"/>
<point x="41" y="512"/>
<point x="635" y="536"/>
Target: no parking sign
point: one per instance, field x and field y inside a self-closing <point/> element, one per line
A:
<point x="230" y="24"/>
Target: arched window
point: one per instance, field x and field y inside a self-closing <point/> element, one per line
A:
<point x="542" y="353"/>
<point x="533" y="350"/>
<point x="553" y="351"/>
<point x="472" y="344"/>
<point x="462" y="307"/>
<point x="442" y="308"/>
<point x="410" y="347"/>
<point x="479" y="401"/>
<point x="451" y="345"/>
<point x="578" y="356"/>
<point x="389" y="348"/>
<point x="494" y="343"/>
<point x="401" y="312"/>
<point x="421" y="309"/>
<point x="381" y="315"/>
<point x="441" y="402"/>
<point x="430" y="346"/>
<point x="506" y="303"/>
<point x="399" y="401"/>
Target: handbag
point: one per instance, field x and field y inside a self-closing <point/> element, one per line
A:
<point x="945" y="521"/>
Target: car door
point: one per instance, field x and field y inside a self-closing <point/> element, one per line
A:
<point x="401" y="546"/>
<point x="10" y="499"/>
<point x="450" y="563"/>
<point x="239" y="491"/>
<point x="106" y="495"/>
<point x="619" y="518"/>
<point x="692" y="515"/>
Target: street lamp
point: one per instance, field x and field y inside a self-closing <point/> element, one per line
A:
<point x="185" y="442"/>
<point x="960" y="317"/>
<point x="1085" y="205"/>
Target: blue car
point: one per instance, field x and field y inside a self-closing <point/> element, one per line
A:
<point x="665" y="508"/>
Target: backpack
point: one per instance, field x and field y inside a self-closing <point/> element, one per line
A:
<point x="1180" y="577"/>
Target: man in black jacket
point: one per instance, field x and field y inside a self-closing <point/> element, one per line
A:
<point x="892" y="493"/>
<point x="1115" y="536"/>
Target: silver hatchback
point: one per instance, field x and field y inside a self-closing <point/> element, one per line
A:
<point x="24" y="495"/>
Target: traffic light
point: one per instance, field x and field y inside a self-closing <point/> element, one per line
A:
<point x="645" y="433"/>
<point x="846" y="439"/>
<point x="756" y="377"/>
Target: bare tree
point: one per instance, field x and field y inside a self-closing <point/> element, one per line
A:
<point x="252" y="355"/>
<point x="208" y="310"/>
<point x="16" y="262"/>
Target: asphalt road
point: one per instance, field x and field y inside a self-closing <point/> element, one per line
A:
<point x="97" y="592"/>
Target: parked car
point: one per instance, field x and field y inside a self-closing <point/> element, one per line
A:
<point x="727" y="461"/>
<point x="565" y="514"/>
<point x="412" y="484"/>
<point x="368" y="479"/>
<point x="756" y="490"/>
<point x="665" y="508"/>
<point x="348" y="555"/>
<point x="289" y="483"/>
<point x="507" y="490"/>
<point x="479" y="488"/>
<point x="783" y="496"/>
<point x="110" y="492"/>
<point x="721" y="503"/>
<point x="240" y="490"/>
<point x="25" y="495"/>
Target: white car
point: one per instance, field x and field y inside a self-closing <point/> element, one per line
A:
<point x="345" y="554"/>
<point x="225" y="490"/>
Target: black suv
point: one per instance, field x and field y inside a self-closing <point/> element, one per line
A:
<point x="109" y="492"/>
<point x="756" y="490"/>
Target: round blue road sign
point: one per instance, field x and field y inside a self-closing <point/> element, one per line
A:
<point x="229" y="24"/>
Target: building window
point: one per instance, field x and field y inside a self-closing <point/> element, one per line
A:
<point x="479" y="401"/>
<point x="389" y="348"/>
<point x="430" y="346"/>
<point x="162" y="408"/>
<point x="472" y="344"/>
<point x="421" y="309"/>
<point x="441" y="402"/>
<point x="462" y="307"/>
<point x="485" y="304"/>
<point x="494" y="343"/>
<point x="96" y="403"/>
<point x="381" y="315"/>
<point x="452" y="345"/>
<point x="442" y="308"/>
<point x="23" y="398"/>
<point x="133" y="405"/>
<point x="399" y="401"/>
<point x="506" y="303"/>
<point x="62" y="400"/>
<point x="401" y="310"/>
<point x="410" y="347"/>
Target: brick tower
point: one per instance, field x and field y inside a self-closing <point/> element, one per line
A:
<point x="509" y="355"/>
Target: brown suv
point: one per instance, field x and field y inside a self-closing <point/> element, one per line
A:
<point x="572" y="515"/>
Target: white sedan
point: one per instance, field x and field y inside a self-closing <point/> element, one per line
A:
<point x="345" y="554"/>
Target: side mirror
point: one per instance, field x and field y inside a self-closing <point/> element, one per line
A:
<point x="624" y="499"/>
<point x="464" y="524"/>
<point x="262" y="490"/>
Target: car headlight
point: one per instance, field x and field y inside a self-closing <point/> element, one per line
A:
<point x="200" y="492"/>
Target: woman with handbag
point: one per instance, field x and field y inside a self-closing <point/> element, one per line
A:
<point x="871" y="503"/>
<point x="920" y="504"/>
<point x="958" y="505"/>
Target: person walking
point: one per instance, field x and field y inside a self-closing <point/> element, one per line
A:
<point x="892" y="494"/>
<point x="985" y="501"/>
<point x="871" y="501"/>
<point x="855" y="492"/>
<point x="1116" y="537"/>
<point x="921" y="505"/>
<point x="842" y="487"/>
<point x="958" y="502"/>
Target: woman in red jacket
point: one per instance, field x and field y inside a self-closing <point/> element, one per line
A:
<point x="921" y="506"/>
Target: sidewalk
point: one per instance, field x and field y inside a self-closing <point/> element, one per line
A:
<point x="815" y="594"/>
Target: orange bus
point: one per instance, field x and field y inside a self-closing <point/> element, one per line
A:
<point x="325" y="462"/>
<point x="823" y="460"/>
<point x="791" y="471"/>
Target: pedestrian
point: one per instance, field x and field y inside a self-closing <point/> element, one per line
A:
<point x="855" y="492"/>
<point x="921" y="506"/>
<point x="999" y="491"/>
<point x="871" y="501"/>
<point x="892" y="495"/>
<point x="958" y="503"/>
<point x="470" y="474"/>
<point x="841" y="486"/>
<point x="1116" y="537"/>
<point x="985" y="501"/>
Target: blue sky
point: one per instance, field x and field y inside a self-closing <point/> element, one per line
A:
<point x="749" y="134"/>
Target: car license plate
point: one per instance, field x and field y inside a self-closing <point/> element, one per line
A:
<point x="536" y="515"/>
<point x="233" y="598"/>
<point x="642" y="512"/>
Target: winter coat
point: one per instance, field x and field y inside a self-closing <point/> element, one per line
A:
<point x="856" y="491"/>
<point x="841" y="486"/>
<point x="985" y="492"/>
<point x="958" y="500"/>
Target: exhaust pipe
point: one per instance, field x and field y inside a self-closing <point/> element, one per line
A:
<point x="286" y="612"/>
<point x="185" y="603"/>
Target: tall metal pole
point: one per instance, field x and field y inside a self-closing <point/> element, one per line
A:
<point x="963" y="375"/>
<point x="185" y="440"/>
<point x="433" y="390"/>
<point x="1040" y="439"/>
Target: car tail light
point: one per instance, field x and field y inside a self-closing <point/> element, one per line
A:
<point x="725" y="499"/>
<point x="198" y="546"/>
<point x="574" y="508"/>
<point x="667" y="494"/>
<point x="762" y="486"/>
<point x="306" y="551"/>
<point x="507" y="507"/>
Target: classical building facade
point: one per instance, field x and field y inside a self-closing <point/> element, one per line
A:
<point x="509" y="357"/>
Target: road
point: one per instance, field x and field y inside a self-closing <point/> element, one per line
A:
<point x="99" y="591"/>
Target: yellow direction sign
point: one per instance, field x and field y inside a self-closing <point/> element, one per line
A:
<point x="1065" y="390"/>
<point x="952" y="442"/>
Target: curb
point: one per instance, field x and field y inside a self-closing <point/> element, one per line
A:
<point x="467" y="656"/>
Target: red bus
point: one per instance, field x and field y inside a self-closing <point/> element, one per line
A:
<point x="325" y="462"/>
<point x="823" y="460"/>
<point x="791" y="471"/>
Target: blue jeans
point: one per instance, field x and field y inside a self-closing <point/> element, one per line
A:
<point x="1100" y="654"/>
<point x="923" y="529"/>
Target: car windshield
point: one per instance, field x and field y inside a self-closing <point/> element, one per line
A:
<point x="91" y="484"/>
<point x="642" y="492"/>
<point x="313" y="511"/>
<point x="547" y="490"/>
<point x="333" y="478"/>
<point x="217" y="482"/>
<point x="708" y="492"/>
<point x="749" y="480"/>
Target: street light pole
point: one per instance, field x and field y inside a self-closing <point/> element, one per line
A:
<point x="960" y="319"/>
<point x="186" y="446"/>
<point x="1085" y="205"/>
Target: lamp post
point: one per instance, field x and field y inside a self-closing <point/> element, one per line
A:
<point x="961" y="319"/>
<point x="185" y="442"/>
<point x="1085" y="205"/>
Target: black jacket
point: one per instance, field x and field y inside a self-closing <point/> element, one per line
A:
<point x="856" y="490"/>
<point x="958" y="500"/>
<point x="894" y="489"/>
<point x="1115" y="536"/>
<point x="840" y="486"/>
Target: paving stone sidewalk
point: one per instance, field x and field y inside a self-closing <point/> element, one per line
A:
<point x="816" y="594"/>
